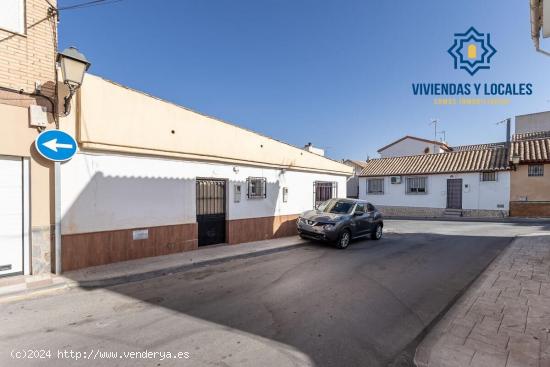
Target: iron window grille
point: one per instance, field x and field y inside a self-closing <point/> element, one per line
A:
<point x="488" y="176"/>
<point x="535" y="170"/>
<point x="256" y="187"/>
<point x="323" y="191"/>
<point x="417" y="185"/>
<point x="375" y="186"/>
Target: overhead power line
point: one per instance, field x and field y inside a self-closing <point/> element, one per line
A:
<point x="88" y="4"/>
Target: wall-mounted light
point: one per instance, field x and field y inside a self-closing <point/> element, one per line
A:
<point x="236" y="169"/>
<point x="515" y="161"/>
<point x="73" y="67"/>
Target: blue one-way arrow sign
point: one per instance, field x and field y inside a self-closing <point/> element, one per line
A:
<point x="55" y="145"/>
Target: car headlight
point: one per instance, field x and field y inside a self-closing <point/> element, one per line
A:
<point x="328" y="227"/>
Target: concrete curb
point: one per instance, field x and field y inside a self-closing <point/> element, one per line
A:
<point x="107" y="282"/>
<point x="11" y="296"/>
<point x="69" y="283"/>
<point x="417" y="342"/>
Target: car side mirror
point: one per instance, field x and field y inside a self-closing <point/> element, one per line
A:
<point x="358" y="213"/>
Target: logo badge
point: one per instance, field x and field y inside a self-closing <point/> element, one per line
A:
<point x="472" y="51"/>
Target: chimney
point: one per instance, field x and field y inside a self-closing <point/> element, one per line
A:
<point x="310" y="148"/>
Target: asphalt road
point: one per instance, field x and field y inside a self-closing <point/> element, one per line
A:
<point x="308" y="306"/>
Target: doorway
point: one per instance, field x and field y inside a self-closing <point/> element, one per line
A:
<point x="210" y="211"/>
<point x="454" y="193"/>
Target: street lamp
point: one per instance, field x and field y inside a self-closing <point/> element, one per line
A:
<point x="73" y="66"/>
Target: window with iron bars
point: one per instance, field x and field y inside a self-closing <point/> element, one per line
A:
<point x="323" y="191"/>
<point x="375" y="186"/>
<point x="488" y="176"/>
<point x="416" y="185"/>
<point x="256" y="187"/>
<point x="535" y="170"/>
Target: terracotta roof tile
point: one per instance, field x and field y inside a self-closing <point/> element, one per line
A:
<point x="459" y="148"/>
<point x="534" y="135"/>
<point x="492" y="159"/>
<point x="533" y="150"/>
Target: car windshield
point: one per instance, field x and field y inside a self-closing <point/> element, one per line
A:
<point x="336" y="206"/>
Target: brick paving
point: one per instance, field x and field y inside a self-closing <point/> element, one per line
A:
<point x="503" y="319"/>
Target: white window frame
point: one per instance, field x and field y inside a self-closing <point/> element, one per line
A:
<point x="408" y="186"/>
<point x="369" y="192"/>
<point x="535" y="170"/>
<point x="22" y="19"/>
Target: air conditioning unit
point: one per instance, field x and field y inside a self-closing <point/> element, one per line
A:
<point x="395" y="179"/>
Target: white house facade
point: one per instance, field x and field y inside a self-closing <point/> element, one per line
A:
<point x="153" y="178"/>
<point x="412" y="145"/>
<point x="464" y="183"/>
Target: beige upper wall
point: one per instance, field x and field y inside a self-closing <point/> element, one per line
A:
<point x="113" y="117"/>
<point x="533" y="188"/>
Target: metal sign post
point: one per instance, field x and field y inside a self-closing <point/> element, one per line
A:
<point x="56" y="146"/>
<point x="57" y="198"/>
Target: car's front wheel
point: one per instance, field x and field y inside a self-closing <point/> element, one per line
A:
<point x="377" y="233"/>
<point x="344" y="239"/>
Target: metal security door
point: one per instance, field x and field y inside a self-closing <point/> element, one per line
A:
<point x="11" y="216"/>
<point x="454" y="193"/>
<point x="211" y="211"/>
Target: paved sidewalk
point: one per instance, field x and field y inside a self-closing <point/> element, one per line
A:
<point x="503" y="319"/>
<point x="150" y="267"/>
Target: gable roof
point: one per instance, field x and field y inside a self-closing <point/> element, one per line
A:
<point x="442" y="145"/>
<point x="492" y="159"/>
<point x="361" y="164"/>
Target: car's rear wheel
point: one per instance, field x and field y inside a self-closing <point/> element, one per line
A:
<point x="344" y="239"/>
<point x="377" y="233"/>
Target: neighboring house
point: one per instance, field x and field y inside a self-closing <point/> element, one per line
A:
<point x="532" y="123"/>
<point x="465" y="182"/>
<point x="28" y="33"/>
<point x="530" y="179"/>
<point x="353" y="181"/>
<point x="411" y="145"/>
<point x="154" y="178"/>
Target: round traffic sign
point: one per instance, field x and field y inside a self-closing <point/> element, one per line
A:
<point x="55" y="145"/>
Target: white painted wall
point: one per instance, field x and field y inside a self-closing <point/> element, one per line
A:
<point x="478" y="194"/>
<point x="107" y="191"/>
<point x="533" y="122"/>
<point x="409" y="147"/>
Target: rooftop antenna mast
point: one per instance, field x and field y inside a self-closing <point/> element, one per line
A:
<point x="444" y="133"/>
<point x="434" y="122"/>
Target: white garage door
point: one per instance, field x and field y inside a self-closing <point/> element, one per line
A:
<point x="11" y="216"/>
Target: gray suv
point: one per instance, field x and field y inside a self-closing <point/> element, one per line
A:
<point x="340" y="221"/>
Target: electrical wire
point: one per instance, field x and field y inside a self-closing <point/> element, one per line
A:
<point x="88" y="4"/>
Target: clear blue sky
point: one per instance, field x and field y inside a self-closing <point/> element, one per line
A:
<point x="334" y="73"/>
